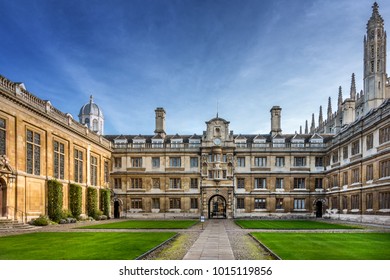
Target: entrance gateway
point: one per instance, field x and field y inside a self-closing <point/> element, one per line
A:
<point x="217" y="207"/>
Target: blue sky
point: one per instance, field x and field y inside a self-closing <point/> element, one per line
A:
<point x="187" y="56"/>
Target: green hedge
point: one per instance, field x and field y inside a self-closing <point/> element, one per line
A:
<point x="105" y="197"/>
<point x="92" y="202"/>
<point x="55" y="200"/>
<point x="75" y="200"/>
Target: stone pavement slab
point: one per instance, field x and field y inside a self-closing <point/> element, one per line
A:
<point x="212" y="244"/>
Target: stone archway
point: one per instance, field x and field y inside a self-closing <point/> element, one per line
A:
<point x="217" y="207"/>
<point x="3" y="198"/>
<point x="319" y="207"/>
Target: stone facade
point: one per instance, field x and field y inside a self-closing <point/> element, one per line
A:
<point x="38" y="143"/>
<point x="338" y="169"/>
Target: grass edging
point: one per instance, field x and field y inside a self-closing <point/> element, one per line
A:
<point x="155" y="248"/>
<point x="265" y="247"/>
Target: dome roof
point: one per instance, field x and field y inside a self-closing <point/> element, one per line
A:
<point x="91" y="108"/>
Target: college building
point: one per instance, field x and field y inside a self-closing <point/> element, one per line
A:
<point x="337" y="168"/>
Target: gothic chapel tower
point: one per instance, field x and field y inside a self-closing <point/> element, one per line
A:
<point x="374" y="61"/>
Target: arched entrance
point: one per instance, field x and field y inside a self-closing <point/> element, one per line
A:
<point x="217" y="207"/>
<point x="3" y="198"/>
<point x="319" y="209"/>
<point x="116" y="209"/>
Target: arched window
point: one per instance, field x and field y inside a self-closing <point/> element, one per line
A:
<point x="95" y="125"/>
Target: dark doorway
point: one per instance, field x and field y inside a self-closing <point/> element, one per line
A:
<point x="319" y="209"/>
<point x="116" y="210"/>
<point x="217" y="207"/>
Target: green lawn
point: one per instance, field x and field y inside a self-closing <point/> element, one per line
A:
<point x="327" y="246"/>
<point x="80" y="245"/>
<point x="290" y="224"/>
<point x="146" y="224"/>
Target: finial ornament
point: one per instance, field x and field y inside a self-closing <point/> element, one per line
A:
<point x="91" y="99"/>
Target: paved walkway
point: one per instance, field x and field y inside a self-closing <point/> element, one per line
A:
<point x="212" y="244"/>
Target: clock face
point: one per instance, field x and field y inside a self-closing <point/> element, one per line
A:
<point x="217" y="141"/>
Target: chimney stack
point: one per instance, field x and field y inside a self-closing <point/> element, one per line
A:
<point x="275" y="120"/>
<point x="160" y="121"/>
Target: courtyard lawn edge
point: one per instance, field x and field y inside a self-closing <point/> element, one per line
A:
<point x="145" y="224"/>
<point x="292" y="225"/>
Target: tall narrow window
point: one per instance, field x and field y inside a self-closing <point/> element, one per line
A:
<point x="369" y="172"/>
<point x="384" y="200"/>
<point x="279" y="183"/>
<point x="279" y="161"/>
<point x="260" y="161"/>
<point x="59" y="160"/>
<point x="94" y="171"/>
<point x="355" y="149"/>
<point x="33" y="156"/>
<point x="384" y="135"/>
<point x="106" y="172"/>
<point x="369" y="201"/>
<point x="370" y="141"/>
<point x="2" y="136"/>
<point x="78" y="166"/>
<point x="384" y="169"/>
<point x="355" y="202"/>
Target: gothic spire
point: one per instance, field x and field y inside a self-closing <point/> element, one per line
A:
<point x="320" y="118"/>
<point x="353" y="87"/>
<point x="329" y="108"/>
<point x="375" y="17"/>
<point x="340" y="99"/>
<point x="300" y="129"/>
<point x="306" y="128"/>
<point x="313" y="124"/>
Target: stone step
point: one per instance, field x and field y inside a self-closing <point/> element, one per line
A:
<point x="11" y="225"/>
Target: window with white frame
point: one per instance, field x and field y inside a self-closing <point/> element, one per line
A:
<point x="279" y="183"/>
<point x="279" y="161"/>
<point x="175" y="161"/>
<point x="260" y="183"/>
<point x="241" y="161"/>
<point x="260" y="161"/>
<point x="174" y="183"/>
<point x="299" y="203"/>
<point x="299" y="183"/>
<point x="260" y="203"/>
<point x="194" y="162"/>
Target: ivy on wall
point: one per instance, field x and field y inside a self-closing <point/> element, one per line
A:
<point x="55" y="200"/>
<point x="75" y="200"/>
<point x="105" y="197"/>
<point x="92" y="202"/>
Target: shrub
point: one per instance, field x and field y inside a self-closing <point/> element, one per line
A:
<point x="41" y="221"/>
<point x="55" y="200"/>
<point x="92" y="205"/>
<point x="105" y="197"/>
<point x="75" y="200"/>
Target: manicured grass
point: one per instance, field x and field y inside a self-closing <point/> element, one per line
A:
<point x="80" y="245"/>
<point x="290" y="224"/>
<point x="146" y="224"/>
<point x="327" y="246"/>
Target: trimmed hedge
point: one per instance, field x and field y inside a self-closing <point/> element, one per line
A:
<point x="55" y="200"/>
<point x="105" y="196"/>
<point x="92" y="202"/>
<point x="75" y="200"/>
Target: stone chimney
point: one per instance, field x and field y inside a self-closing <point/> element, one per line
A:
<point x="275" y="120"/>
<point x="160" y="121"/>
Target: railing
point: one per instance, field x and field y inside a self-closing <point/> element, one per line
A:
<point x="187" y="146"/>
<point x="15" y="214"/>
